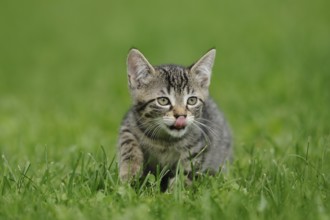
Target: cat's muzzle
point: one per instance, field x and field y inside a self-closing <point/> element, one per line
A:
<point x="180" y="123"/>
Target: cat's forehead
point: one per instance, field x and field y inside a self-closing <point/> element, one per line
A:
<point x="171" y="69"/>
<point x="175" y="77"/>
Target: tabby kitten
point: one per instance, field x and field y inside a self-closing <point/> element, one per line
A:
<point x="173" y="120"/>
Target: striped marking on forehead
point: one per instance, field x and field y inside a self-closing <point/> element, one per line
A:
<point x="176" y="78"/>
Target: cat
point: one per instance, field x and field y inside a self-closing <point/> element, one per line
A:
<point x="172" y="121"/>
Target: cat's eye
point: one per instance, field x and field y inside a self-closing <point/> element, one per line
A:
<point x="192" y="100"/>
<point x="163" y="101"/>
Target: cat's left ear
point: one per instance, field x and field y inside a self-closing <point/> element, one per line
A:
<point x="139" y="70"/>
<point x="202" y="69"/>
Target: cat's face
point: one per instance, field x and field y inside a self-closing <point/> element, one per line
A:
<point x="168" y="99"/>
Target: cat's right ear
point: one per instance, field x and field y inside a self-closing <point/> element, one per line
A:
<point x="202" y="69"/>
<point x="139" y="70"/>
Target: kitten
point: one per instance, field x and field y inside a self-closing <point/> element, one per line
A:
<point x="173" y="120"/>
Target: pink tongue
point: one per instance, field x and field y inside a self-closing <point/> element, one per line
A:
<point x="180" y="122"/>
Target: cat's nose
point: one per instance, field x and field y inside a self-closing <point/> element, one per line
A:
<point x="179" y="111"/>
<point x="180" y="115"/>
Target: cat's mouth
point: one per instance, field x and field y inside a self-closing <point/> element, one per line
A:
<point x="176" y="131"/>
<point x="178" y="127"/>
<point x="173" y="127"/>
<point x="179" y="124"/>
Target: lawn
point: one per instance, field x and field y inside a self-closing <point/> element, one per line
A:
<point x="63" y="93"/>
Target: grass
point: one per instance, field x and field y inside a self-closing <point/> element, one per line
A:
<point x="63" y="92"/>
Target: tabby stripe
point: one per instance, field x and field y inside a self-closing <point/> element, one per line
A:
<point x="141" y="106"/>
<point x="148" y="115"/>
<point x="126" y="157"/>
<point x="126" y="142"/>
<point x="127" y="152"/>
<point x="162" y="92"/>
<point x="184" y="81"/>
<point x="125" y="130"/>
<point x="167" y="75"/>
<point x="185" y="77"/>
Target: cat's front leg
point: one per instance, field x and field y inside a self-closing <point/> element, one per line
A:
<point x="130" y="157"/>
<point x="189" y="170"/>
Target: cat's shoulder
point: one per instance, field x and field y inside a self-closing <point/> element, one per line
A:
<point x="212" y="109"/>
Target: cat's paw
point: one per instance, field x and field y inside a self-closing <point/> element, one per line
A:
<point x="129" y="172"/>
<point x="179" y="182"/>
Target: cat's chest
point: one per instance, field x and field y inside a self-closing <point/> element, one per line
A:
<point x="166" y="155"/>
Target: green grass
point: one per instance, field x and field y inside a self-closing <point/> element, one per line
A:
<point x="63" y="92"/>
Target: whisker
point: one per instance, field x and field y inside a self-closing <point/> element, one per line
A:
<point x="212" y="123"/>
<point x="156" y="130"/>
<point x="152" y="129"/>
<point x="216" y="134"/>
<point x="205" y="135"/>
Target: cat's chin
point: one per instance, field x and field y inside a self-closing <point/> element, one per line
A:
<point x="176" y="133"/>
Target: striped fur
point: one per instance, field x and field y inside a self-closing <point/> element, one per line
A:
<point x="173" y="120"/>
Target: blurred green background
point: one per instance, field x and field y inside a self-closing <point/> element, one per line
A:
<point x="63" y="77"/>
<point x="63" y="93"/>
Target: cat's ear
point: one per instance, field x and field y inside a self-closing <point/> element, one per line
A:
<point x="139" y="70"/>
<point x="202" y="69"/>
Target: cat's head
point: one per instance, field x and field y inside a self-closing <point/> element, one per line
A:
<point x="168" y="99"/>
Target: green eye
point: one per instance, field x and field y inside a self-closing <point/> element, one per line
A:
<point x="163" y="101"/>
<point x="192" y="100"/>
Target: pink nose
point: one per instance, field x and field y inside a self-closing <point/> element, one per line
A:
<point x="180" y="122"/>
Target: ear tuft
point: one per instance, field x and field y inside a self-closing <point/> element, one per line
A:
<point x="139" y="70"/>
<point x="202" y="69"/>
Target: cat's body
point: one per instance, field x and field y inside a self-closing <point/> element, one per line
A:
<point x="173" y="120"/>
